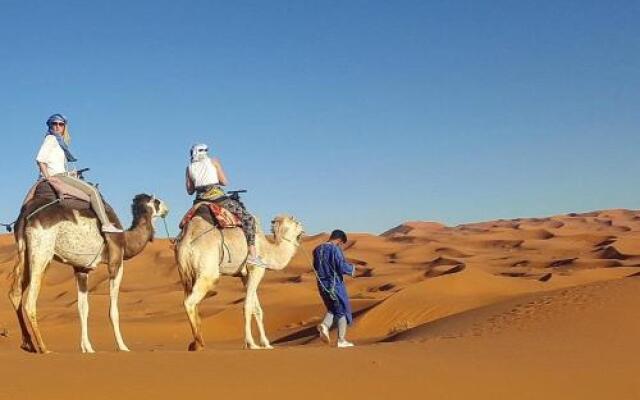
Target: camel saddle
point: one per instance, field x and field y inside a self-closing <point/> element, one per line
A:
<point x="213" y="213"/>
<point x="69" y="197"/>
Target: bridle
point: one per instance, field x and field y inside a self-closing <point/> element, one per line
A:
<point x="296" y="242"/>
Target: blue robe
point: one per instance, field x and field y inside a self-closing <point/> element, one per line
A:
<point x="330" y="265"/>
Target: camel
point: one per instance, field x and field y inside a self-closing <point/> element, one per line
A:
<point x="73" y="237"/>
<point x="204" y="253"/>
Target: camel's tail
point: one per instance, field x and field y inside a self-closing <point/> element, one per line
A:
<point x="185" y="268"/>
<point x="20" y="269"/>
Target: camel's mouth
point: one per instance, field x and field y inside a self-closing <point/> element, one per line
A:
<point x="161" y="209"/>
<point x="163" y="212"/>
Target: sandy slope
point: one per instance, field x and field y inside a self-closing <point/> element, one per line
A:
<point x="526" y="308"/>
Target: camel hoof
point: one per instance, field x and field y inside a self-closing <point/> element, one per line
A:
<point x="86" y="349"/>
<point x="195" y="346"/>
<point x="124" y="349"/>
<point x="252" y="346"/>
<point x="28" y="347"/>
<point x="265" y="344"/>
<point x="44" y="351"/>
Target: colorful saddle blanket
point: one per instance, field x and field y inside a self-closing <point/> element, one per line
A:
<point x="213" y="213"/>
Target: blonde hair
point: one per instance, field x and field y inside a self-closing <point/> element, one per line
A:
<point x="66" y="136"/>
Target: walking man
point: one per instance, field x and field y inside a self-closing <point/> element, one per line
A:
<point x="330" y="265"/>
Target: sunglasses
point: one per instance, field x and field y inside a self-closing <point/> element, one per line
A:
<point x="57" y="124"/>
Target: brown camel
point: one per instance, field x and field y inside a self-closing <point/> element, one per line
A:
<point x="73" y="237"/>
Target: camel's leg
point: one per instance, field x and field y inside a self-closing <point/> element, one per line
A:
<point x="37" y="263"/>
<point x="254" y="277"/>
<point x="198" y="292"/>
<point x="82" y="281"/>
<point x="258" y="315"/>
<point x="16" y="300"/>
<point x="114" y="290"/>
<point x="16" y="292"/>
<point x="257" y="311"/>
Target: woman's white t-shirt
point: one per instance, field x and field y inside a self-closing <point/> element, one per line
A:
<point x="52" y="156"/>
<point x="203" y="173"/>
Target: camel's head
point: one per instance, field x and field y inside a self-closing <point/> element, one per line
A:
<point x="146" y="204"/>
<point x="285" y="227"/>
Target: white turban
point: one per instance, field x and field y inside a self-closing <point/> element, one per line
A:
<point x="199" y="152"/>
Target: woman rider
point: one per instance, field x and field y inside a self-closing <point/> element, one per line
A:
<point x="205" y="176"/>
<point x="52" y="160"/>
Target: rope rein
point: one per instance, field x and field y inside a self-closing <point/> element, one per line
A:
<point x="201" y="234"/>
<point x="96" y="255"/>
<point x="332" y="291"/>
<point x="223" y="246"/>
<point x="37" y="210"/>
<point x="102" y="245"/>
<point x="166" y="229"/>
<point x="8" y="226"/>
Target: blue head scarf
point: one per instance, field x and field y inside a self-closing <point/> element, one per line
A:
<point x="59" y="138"/>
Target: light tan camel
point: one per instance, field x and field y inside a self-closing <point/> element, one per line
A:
<point x="73" y="237"/>
<point x="205" y="253"/>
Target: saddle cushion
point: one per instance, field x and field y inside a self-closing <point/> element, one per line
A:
<point x="53" y="189"/>
<point x="213" y="213"/>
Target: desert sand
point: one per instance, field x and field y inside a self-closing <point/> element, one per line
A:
<point x="529" y="308"/>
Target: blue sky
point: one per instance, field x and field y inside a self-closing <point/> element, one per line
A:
<point x="350" y="114"/>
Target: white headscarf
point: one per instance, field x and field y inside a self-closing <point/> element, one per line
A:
<point x="199" y="152"/>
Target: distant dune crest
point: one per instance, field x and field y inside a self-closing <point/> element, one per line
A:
<point x="414" y="227"/>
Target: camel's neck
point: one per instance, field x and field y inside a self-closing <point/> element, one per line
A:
<point x="137" y="237"/>
<point x="276" y="255"/>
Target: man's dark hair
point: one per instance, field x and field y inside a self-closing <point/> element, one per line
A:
<point x="338" y="234"/>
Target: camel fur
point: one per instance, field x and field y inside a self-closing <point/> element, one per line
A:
<point x="73" y="237"/>
<point x="204" y="253"/>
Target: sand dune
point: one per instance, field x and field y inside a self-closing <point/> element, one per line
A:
<point x="540" y="303"/>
